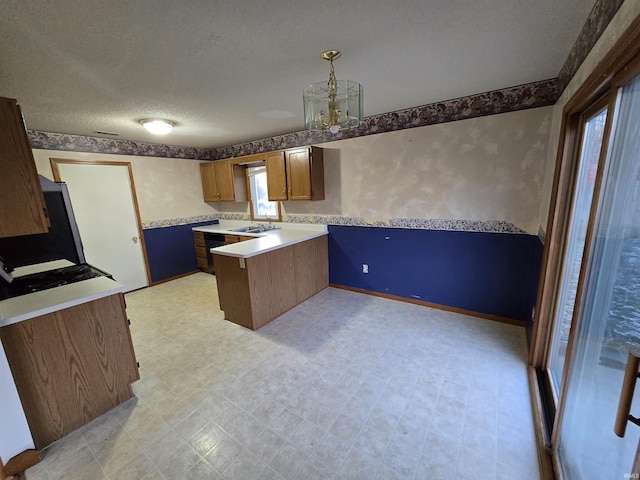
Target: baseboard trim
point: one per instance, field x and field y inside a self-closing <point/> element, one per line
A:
<point x="153" y="284"/>
<point x="19" y="463"/>
<point x="471" y="313"/>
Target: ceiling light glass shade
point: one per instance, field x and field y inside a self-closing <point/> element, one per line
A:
<point x="342" y="111"/>
<point x="333" y="105"/>
<point x="157" y="127"/>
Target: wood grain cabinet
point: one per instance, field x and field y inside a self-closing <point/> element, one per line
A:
<point x="71" y="366"/>
<point x="23" y="209"/>
<point x="255" y="290"/>
<point x="237" y="238"/>
<point x="223" y="181"/>
<point x="296" y="174"/>
<point x="201" y="251"/>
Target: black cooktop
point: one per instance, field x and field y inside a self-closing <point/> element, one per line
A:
<point x="57" y="277"/>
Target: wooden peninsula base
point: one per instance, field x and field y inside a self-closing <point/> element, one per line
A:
<point x="255" y="290"/>
<point x="71" y="366"/>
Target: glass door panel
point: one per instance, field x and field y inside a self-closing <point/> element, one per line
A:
<point x="592" y="135"/>
<point x="609" y="316"/>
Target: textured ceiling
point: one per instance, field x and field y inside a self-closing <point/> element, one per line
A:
<point x="232" y="71"/>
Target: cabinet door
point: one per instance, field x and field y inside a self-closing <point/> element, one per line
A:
<point x="201" y="251"/>
<point x="209" y="185"/>
<point x="224" y="179"/>
<point x="71" y="366"/>
<point x="276" y="176"/>
<point x="23" y="208"/>
<point x="298" y="174"/>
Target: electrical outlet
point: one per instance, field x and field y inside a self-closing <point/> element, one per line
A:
<point x="365" y="268"/>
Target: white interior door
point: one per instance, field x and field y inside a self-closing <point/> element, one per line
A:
<point x="102" y="200"/>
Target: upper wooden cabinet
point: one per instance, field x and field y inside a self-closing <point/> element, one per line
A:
<point x="23" y="209"/>
<point x="223" y="182"/>
<point x="296" y="174"/>
<point x="276" y="176"/>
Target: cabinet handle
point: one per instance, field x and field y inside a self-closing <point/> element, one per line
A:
<point x="626" y="395"/>
<point x="284" y="190"/>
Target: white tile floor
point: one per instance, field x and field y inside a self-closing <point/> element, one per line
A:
<point x="344" y="386"/>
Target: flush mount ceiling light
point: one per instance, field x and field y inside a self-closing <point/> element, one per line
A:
<point x="157" y="126"/>
<point x="334" y="105"/>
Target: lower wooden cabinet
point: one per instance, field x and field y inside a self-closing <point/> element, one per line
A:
<point x="71" y="366"/>
<point x="255" y="290"/>
<point x="237" y="238"/>
<point x="201" y="251"/>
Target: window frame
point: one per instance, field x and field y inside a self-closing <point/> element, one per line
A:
<point x="252" y="214"/>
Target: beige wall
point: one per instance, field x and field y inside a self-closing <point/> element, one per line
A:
<point x="165" y="187"/>
<point x="629" y="10"/>
<point x="487" y="168"/>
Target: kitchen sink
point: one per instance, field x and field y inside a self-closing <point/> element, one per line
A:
<point x="254" y="229"/>
<point x="249" y="229"/>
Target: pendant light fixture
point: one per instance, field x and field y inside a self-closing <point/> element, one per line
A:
<point x="334" y="105"/>
<point x="157" y="126"/>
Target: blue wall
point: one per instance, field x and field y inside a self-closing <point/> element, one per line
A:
<point x="490" y="273"/>
<point x="171" y="251"/>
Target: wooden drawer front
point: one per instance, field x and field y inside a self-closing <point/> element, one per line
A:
<point x="198" y="238"/>
<point x="201" y="251"/>
<point x="231" y="238"/>
<point x="244" y="239"/>
<point x="203" y="264"/>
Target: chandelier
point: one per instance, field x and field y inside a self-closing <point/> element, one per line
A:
<point x="334" y="105"/>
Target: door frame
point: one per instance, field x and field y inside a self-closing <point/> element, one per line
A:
<point x="56" y="176"/>
<point x="621" y="63"/>
<point x="606" y="102"/>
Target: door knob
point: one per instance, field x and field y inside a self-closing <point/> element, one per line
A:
<point x="135" y="239"/>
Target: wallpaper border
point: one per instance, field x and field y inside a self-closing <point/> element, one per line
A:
<point x="510" y="99"/>
<point x="601" y="15"/>
<point x="79" y="143"/>
<point x="530" y="95"/>
<point x="486" y="226"/>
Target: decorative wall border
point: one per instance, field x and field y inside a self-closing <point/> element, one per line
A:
<point x="486" y="226"/>
<point x="599" y="18"/>
<point x="531" y="95"/>
<point x="80" y="143"/>
<point x="521" y="97"/>
<point x="173" y="222"/>
<point x="541" y="234"/>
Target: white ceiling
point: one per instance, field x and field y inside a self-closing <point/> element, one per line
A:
<point x="233" y="71"/>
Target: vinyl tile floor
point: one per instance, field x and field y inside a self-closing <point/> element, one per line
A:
<point x="344" y="386"/>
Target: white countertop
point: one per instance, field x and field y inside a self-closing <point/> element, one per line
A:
<point x="283" y="236"/>
<point x="24" y="307"/>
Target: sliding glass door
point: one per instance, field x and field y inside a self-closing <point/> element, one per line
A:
<point x="592" y="131"/>
<point x="607" y="318"/>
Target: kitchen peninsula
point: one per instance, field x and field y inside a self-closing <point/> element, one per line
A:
<point x="69" y="351"/>
<point x="260" y="279"/>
